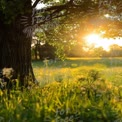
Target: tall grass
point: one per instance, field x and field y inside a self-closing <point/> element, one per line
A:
<point x="68" y="92"/>
<point x="74" y="101"/>
<point x="111" y="69"/>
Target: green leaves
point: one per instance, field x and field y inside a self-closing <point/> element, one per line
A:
<point x="12" y="9"/>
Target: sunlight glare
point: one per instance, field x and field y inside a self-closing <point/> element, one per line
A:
<point x="107" y="15"/>
<point x="98" y="41"/>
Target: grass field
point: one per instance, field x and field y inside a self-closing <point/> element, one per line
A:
<point x="72" y="68"/>
<point x="75" y="90"/>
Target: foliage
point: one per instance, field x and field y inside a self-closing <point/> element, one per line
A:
<point x="78" y="68"/>
<point x="79" y="51"/>
<point x="73" y="100"/>
<point x="91" y="18"/>
<point x="61" y="96"/>
<point x="74" y="18"/>
<point x="11" y="9"/>
<point x="44" y="51"/>
<point x="60" y="38"/>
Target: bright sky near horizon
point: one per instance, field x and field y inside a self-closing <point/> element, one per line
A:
<point x="98" y="41"/>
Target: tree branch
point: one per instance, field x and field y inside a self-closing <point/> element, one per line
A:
<point x="41" y="23"/>
<point x="35" y="3"/>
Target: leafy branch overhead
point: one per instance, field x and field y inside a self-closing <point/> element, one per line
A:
<point x="83" y="11"/>
<point x="73" y="11"/>
<point x="79" y="18"/>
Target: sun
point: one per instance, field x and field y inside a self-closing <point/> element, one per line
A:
<point x="93" y="38"/>
<point x="97" y="41"/>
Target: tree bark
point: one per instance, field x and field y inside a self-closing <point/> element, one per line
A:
<point x="15" y="52"/>
<point x="15" y="49"/>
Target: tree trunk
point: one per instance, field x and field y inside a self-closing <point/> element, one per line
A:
<point x="15" y="50"/>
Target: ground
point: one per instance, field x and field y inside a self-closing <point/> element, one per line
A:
<point x="76" y="90"/>
<point x="110" y="68"/>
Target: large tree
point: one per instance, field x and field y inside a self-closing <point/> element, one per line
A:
<point x="15" y="45"/>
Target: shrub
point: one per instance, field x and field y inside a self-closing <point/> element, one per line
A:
<point x="93" y="75"/>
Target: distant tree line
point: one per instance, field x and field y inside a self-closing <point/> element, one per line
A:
<point x="79" y="51"/>
<point x="47" y="51"/>
<point x="42" y="51"/>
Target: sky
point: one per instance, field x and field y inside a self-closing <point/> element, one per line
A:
<point x="98" y="41"/>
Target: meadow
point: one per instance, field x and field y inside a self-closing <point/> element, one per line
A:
<point x="72" y="68"/>
<point x="74" y="90"/>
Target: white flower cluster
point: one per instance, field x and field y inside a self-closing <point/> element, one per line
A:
<point x="8" y="72"/>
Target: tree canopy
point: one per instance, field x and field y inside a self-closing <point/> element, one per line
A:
<point x="75" y="18"/>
